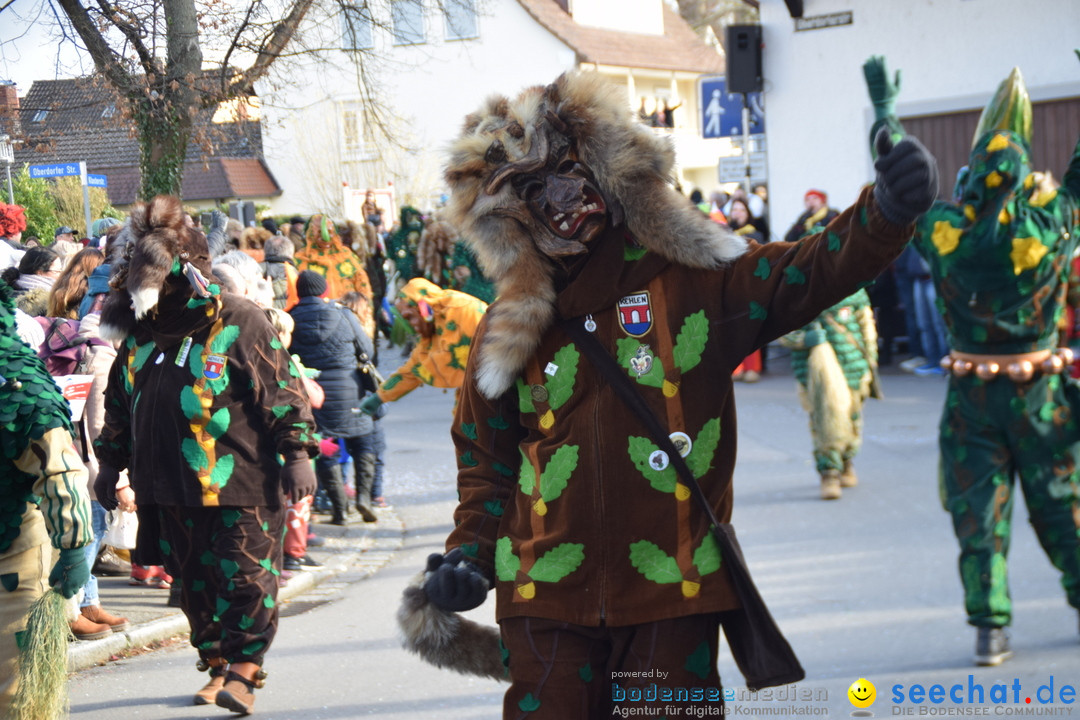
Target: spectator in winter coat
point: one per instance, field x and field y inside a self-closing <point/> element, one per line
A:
<point x="329" y="338"/>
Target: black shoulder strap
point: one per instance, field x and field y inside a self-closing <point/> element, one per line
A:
<point x="758" y="646"/>
<point x="623" y="387"/>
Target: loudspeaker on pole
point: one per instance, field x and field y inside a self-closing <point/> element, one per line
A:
<point x="743" y="58"/>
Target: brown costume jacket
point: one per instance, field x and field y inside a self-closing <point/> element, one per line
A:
<point x="565" y="500"/>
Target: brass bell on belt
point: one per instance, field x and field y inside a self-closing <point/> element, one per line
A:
<point x="1021" y="372"/>
<point x="987" y="370"/>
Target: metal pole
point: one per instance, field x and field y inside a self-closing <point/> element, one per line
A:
<point x="10" y="190"/>
<point x="746" y="140"/>
<point x="86" y="198"/>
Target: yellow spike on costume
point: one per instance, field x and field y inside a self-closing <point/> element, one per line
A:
<point x="1010" y="109"/>
<point x="690" y="588"/>
<point x="670" y="389"/>
<point x="945" y="237"/>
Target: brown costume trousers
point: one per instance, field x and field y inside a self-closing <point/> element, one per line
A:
<point x="561" y="671"/>
<point x="227" y="561"/>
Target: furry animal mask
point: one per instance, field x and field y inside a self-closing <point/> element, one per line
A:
<point x="147" y="264"/>
<point x="582" y="119"/>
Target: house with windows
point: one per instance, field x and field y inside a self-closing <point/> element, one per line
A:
<point x="381" y="112"/>
<point x="952" y="54"/>
<point x="79" y="120"/>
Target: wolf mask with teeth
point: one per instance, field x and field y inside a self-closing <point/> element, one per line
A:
<point x="535" y="180"/>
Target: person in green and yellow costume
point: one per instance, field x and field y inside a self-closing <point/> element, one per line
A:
<point x="834" y="360"/>
<point x="999" y="258"/>
<point x="446" y="322"/>
<point x="326" y="254"/>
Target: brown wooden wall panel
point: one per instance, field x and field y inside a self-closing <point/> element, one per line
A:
<point x="1055" y="128"/>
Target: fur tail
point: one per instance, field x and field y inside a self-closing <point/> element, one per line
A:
<point x="447" y="640"/>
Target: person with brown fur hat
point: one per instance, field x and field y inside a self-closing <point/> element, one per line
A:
<point x="604" y="530"/>
<point x="225" y="433"/>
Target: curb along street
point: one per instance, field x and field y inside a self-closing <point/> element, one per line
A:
<point x="359" y="548"/>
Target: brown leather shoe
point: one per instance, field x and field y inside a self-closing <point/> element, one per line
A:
<point x="208" y="695"/>
<point x="830" y="485"/>
<point x="95" y="613"/>
<point x="83" y="628"/>
<point x="848" y="478"/>
<point x="238" y="693"/>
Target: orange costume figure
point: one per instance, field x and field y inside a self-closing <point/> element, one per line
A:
<point x="445" y="321"/>
<point x="326" y="254"/>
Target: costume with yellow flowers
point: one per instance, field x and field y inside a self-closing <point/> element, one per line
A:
<point x="326" y="254"/>
<point x="999" y="260"/>
<point x="438" y="360"/>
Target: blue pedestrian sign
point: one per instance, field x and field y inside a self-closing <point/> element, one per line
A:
<point x="55" y="170"/>
<point x="721" y="112"/>
<point x="97" y="180"/>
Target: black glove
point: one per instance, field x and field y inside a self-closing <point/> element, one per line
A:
<point x="907" y="178"/>
<point x="105" y="486"/>
<point x="70" y="572"/>
<point x="298" y="477"/>
<point x="453" y="584"/>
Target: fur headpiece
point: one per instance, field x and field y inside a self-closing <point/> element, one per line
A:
<point x="632" y="168"/>
<point x="147" y="261"/>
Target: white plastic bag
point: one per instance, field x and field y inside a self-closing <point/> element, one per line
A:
<point x="121" y="529"/>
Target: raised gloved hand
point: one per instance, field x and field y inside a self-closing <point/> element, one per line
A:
<point x="883" y="91"/>
<point x="298" y="477"/>
<point x="907" y="178"/>
<point x="105" y="486"/>
<point x="70" y="572"/>
<point x="215" y="238"/>
<point x="454" y="584"/>
<point x="371" y="404"/>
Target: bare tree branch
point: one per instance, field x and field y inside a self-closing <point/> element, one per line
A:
<point x="270" y="50"/>
<point x="105" y="59"/>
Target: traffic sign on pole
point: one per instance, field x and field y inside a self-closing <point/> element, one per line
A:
<point x="733" y="169"/>
<point x="97" y="180"/>
<point x="55" y="170"/>
<point x="721" y="111"/>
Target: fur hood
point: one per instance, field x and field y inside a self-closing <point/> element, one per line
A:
<point x="632" y="168"/>
<point x="147" y="268"/>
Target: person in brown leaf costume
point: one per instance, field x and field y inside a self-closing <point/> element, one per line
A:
<point x="225" y="432"/>
<point x="609" y="584"/>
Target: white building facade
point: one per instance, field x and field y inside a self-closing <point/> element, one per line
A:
<point x="952" y="55"/>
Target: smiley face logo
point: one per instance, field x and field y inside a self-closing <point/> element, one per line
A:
<point x="862" y="693"/>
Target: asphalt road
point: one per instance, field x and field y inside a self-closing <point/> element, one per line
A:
<point x="865" y="587"/>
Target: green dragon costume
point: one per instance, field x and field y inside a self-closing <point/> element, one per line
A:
<point x="999" y="260"/>
<point x="834" y="359"/>
<point x="42" y="489"/>
<point x="402" y="244"/>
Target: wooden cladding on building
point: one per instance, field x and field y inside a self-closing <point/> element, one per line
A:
<point x="1055" y="130"/>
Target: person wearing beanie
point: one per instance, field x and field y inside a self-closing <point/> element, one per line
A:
<point x="310" y="284"/>
<point x="329" y="338"/>
<point x="817" y="213"/>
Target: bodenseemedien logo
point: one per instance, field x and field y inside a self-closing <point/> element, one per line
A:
<point x="862" y="694"/>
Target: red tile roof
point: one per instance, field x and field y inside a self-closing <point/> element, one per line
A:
<point x="679" y="48"/>
<point x="214" y="179"/>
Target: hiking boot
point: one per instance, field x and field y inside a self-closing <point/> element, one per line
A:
<point x="208" y="694"/>
<point x="830" y="485"/>
<point x="366" y="513"/>
<point x="83" y="628"/>
<point x="238" y="693"/>
<point x="109" y="564"/>
<point x="991" y="646"/>
<point x="848" y="478"/>
<point x="96" y="614"/>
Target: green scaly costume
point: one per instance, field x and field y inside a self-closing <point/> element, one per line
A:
<point x="999" y="260"/>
